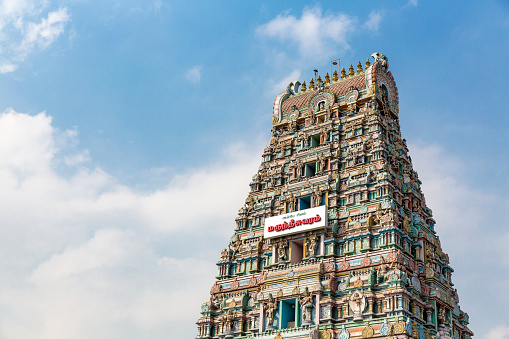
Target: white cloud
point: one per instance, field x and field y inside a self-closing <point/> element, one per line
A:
<point x="193" y="75"/>
<point x="27" y="26"/>
<point x="413" y="2"/>
<point x="280" y="86"/>
<point x="374" y="20"/>
<point x="44" y="33"/>
<point x="499" y="332"/>
<point x="157" y="5"/>
<point x="84" y="256"/>
<point x="7" y="68"/>
<point x="77" y="158"/>
<point x="314" y="33"/>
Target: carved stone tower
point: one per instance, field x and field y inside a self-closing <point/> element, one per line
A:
<point x="334" y="239"/>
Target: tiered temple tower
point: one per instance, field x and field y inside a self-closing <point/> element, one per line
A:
<point x="334" y="239"/>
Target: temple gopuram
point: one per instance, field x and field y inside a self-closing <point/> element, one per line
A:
<point x="335" y="239"/>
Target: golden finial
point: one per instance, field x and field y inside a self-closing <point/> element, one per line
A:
<point x="343" y="73"/>
<point x="350" y="71"/>
<point x="311" y="84"/>
<point x="327" y="79"/>
<point x="303" y="87"/>
<point x="335" y="76"/>
<point x="367" y="63"/>
<point x="359" y="68"/>
<point x="319" y="80"/>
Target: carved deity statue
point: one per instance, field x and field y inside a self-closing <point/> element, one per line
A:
<point x="291" y="204"/>
<point x="406" y="224"/>
<point x="229" y="318"/>
<point x="306" y="302"/>
<point x="442" y="317"/>
<point x="298" y="169"/>
<point x="357" y="303"/>
<point x="250" y="205"/>
<point x="224" y="254"/>
<point x="259" y="245"/>
<point x="321" y="164"/>
<point x="281" y="251"/>
<point x="379" y="214"/>
<point x="270" y="306"/>
<point x="317" y="197"/>
<point x="311" y="243"/>
<point x="383" y="267"/>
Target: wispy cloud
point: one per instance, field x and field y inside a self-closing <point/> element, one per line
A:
<point x="413" y="2"/>
<point x="314" y="33"/>
<point x="193" y="75"/>
<point x="7" y="68"/>
<point x="280" y="86"/>
<point x="157" y="5"/>
<point x="499" y="332"/>
<point x="374" y="20"/>
<point x="25" y="27"/>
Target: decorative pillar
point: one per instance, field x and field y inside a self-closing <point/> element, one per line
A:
<point x="280" y="314"/>
<point x="262" y="318"/>
<point x="317" y="314"/>
<point x="370" y="306"/>
<point x="400" y="301"/>
<point x="297" y="315"/>
<point x="274" y="255"/>
<point x="322" y="244"/>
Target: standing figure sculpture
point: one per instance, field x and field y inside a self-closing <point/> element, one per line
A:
<point x="357" y="304"/>
<point x="306" y="302"/>
<point x="271" y="306"/>
<point x="291" y="204"/>
<point x="317" y="197"/>
<point x="281" y="252"/>
<point x="311" y="243"/>
<point x="229" y="318"/>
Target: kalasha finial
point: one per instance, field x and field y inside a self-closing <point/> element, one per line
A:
<point x="327" y="79"/>
<point x="311" y="84"/>
<point x="335" y="76"/>
<point x="367" y="63"/>
<point x="350" y="71"/>
<point x="303" y="87"/>
<point x="359" y="68"/>
<point x="343" y="73"/>
<point x="319" y="80"/>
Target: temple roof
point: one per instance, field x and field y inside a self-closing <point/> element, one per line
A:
<point x="339" y="88"/>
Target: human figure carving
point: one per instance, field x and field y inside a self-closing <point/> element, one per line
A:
<point x="306" y="301"/>
<point x="406" y="224"/>
<point x="229" y="317"/>
<point x="317" y="197"/>
<point x="271" y="306"/>
<point x="312" y="241"/>
<point x="281" y="251"/>
<point x="291" y="204"/>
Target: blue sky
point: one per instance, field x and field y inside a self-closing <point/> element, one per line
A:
<point x="130" y="131"/>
